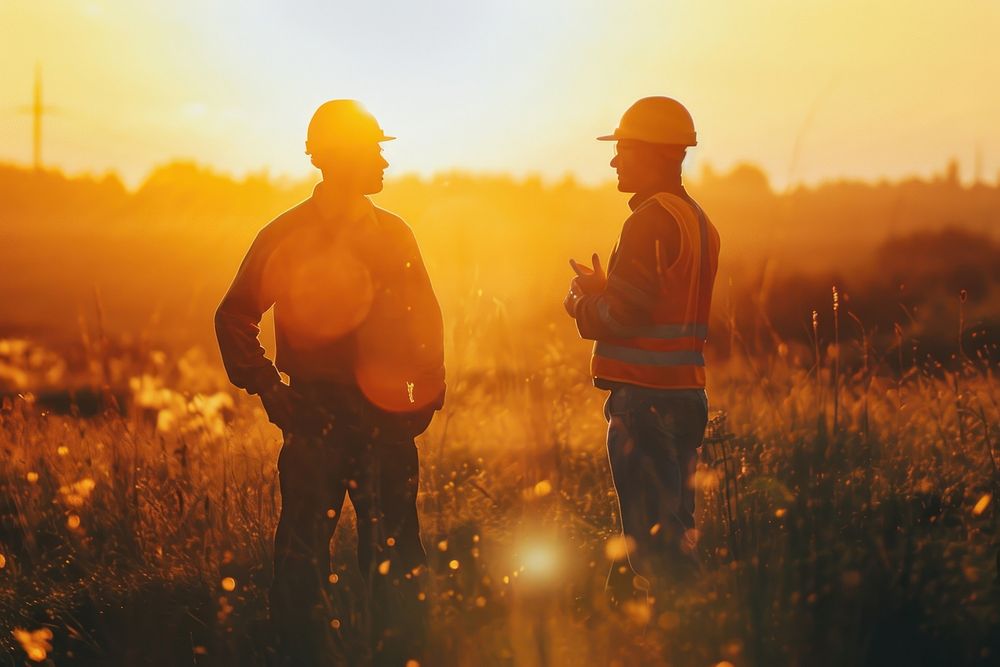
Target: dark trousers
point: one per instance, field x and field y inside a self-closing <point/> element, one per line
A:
<point x="653" y="440"/>
<point x="376" y="464"/>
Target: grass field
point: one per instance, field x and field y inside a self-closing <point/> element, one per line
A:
<point x="847" y="516"/>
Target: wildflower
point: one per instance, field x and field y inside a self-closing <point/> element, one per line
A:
<point x="225" y="609"/>
<point x="76" y="494"/>
<point x="543" y="488"/>
<point x="669" y="620"/>
<point x="638" y="612"/>
<point x="36" y="643"/>
<point x="982" y="504"/>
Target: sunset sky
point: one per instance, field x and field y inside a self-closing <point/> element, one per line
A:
<point x="808" y="90"/>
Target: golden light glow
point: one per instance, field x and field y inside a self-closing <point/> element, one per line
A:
<point x="539" y="560"/>
<point x="808" y="90"/>
<point x="618" y="547"/>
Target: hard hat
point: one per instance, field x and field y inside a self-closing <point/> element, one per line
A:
<point x="656" y="120"/>
<point x="342" y="123"/>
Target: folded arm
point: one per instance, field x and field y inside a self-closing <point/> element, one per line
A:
<point x="648" y="245"/>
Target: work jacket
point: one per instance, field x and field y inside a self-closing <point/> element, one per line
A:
<point x="651" y="321"/>
<point x="353" y="306"/>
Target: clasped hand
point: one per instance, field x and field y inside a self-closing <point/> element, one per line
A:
<point x="587" y="281"/>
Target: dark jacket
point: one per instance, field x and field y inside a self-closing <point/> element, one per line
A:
<point x="353" y="306"/>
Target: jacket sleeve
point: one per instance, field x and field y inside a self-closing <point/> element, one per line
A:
<point x="237" y="322"/>
<point x="649" y="243"/>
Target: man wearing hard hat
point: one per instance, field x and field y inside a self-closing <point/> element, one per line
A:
<point x="359" y="333"/>
<point x="649" y="318"/>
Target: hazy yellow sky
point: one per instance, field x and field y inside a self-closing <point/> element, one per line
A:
<point x="809" y="90"/>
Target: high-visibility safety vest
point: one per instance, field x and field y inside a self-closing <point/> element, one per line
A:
<point x="668" y="352"/>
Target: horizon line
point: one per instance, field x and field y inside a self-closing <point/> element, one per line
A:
<point x="522" y="177"/>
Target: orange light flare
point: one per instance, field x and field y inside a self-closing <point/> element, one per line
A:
<point x="326" y="295"/>
<point x="539" y="562"/>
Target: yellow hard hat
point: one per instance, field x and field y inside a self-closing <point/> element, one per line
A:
<point x="342" y="123"/>
<point x="656" y="120"/>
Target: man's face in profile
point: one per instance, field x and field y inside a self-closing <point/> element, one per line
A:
<point x="356" y="167"/>
<point x="638" y="165"/>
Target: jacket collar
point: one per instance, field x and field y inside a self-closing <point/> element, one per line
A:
<point x="362" y="209"/>
<point x="639" y="198"/>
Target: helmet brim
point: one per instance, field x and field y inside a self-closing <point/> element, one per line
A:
<point x="618" y="137"/>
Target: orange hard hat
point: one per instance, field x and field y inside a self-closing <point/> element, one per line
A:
<point x="656" y="120"/>
<point x="342" y="123"/>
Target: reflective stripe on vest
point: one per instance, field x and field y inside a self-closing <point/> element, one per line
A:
<point x="667" y="353"/>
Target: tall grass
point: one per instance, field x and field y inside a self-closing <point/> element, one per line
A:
<point x="867" y="537"/>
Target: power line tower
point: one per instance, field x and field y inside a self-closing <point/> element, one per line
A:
<point x="37" y="111"/>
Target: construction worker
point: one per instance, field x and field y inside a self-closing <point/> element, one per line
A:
<point x="360" y="336"/>
<point x="648" y="317"/>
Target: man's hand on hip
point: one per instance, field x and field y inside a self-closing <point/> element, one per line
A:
<point x="280" y="402"/>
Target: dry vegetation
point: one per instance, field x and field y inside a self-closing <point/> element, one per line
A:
<point x="847" y="506"/>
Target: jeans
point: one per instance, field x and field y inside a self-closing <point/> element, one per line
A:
<point x="653" y="440"/>
<point x="378" y="468"/>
